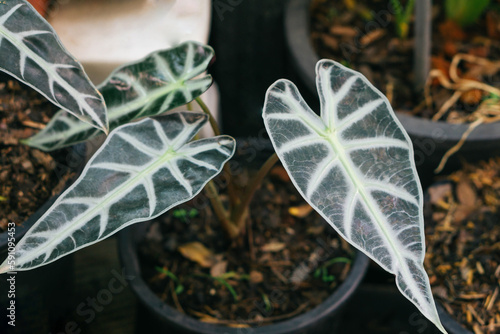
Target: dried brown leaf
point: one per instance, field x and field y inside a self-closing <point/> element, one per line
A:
<point x="300" y="211"/>
<point x="256" y="277"/>
<point x="197" y="252"/>
<point x="218" y="269"/>
<point x="273" y="247"/>
<point x="316" y="230"/>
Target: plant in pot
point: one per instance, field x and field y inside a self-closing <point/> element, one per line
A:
<point x="439" y="108"/>
<point x="353" y="164"/>
<point x="463" y="257"/>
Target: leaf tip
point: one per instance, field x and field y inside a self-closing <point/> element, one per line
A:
<point x="440" y="326"/>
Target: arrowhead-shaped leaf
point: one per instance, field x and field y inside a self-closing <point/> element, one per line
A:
<point x="160" y="82"/>
<point x="142" y="170"/>
<point x="31" y="51"/>
<point x="355" y="166"/>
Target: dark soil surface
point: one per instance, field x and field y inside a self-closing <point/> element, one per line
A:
<point x="28" y="177"/>
<point x="365" y="39"/>
<point x="463" y="245"/>
<point x="283" y="266"/>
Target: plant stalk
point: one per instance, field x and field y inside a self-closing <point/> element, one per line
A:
<point x="220" y="211"/>
<point x="211" y="118"/>
<point x="239" y="214"/>
<point x="226" y="170"/>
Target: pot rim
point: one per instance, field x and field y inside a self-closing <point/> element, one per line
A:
<point x="304" y="60"/>
<point x="127" y="240"/>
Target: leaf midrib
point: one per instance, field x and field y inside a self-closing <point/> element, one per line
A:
<point x="349" y="168"/>
<point x="332" y="137"/>
<point x="132" y="183"/>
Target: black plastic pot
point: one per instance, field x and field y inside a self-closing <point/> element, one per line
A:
<point x="41" y="294"/>
<point x="154" y="314"/>
<point x="430" y="139"/>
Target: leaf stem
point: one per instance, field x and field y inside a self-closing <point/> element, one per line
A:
<point x="225" y="170"/>
<point x="213" y="122"/>
<point x="220" y="211"/>
<point x="240" y="212"/>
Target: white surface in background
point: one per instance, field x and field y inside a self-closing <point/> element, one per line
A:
<point x="105" y="34"/>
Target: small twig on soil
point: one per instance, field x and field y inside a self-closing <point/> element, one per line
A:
<point x="488" y="66"/>
<point x="474" y="313"/>
<point x="447" y="105"/>
<point x="460" y="85"/>
<point x="459" y="145"/>
<point x="492" y="300"/>
<point x="174" y="297"/>
<point x="486" y="112"/>
<point x="34" y="125"/>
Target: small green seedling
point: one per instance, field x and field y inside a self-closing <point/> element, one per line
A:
<point x="402" y="17"/>
<point x="183" y="214"/>
<point x="222" y="279"/>
<point x="322" y="271"/>
<point x="267" y="302"/>
<point x="179" y="288"/>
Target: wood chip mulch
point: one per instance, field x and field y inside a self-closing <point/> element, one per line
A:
<point x="463" y="245"/>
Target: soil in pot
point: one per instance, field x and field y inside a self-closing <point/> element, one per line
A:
<point x="28" y="177"/>
<point x="287" y="261"/>
<point x="463" y="245"/>
<point x="364" y="38"/>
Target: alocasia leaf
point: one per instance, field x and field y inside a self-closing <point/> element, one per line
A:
<point x="142" y="170"/>
<point x="31" y="51"/>
<point x="354" y="165"/>
<point x="161" y="81"/>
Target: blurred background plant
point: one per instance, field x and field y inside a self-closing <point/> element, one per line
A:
<point x="465" y="12"/>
